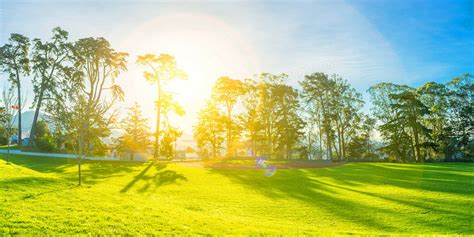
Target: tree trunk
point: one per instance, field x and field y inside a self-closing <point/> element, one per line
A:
<point x="338" y="148"/>
<point x="158" y="115"/>
<point x="18" y="86"/>
<point x="320" y="141"/>
<point x="229" y="132"/>
<point x="417" y="144"/>
<point x="35" y="119"/>
<point x="79" y="170"/>
<point x="328" y="145"/>
<point x="343" y="145"/>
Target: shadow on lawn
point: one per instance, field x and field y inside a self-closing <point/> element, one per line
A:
<point x="161" y="177"/>
<point x="32" y="187"/>
<point x="92" y="171"/>
<point x="345" y="192"/>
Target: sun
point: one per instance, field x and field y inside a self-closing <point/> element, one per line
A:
<point x="205" y="47"/>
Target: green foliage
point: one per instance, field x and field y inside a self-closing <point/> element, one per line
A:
<point x="168" y="141"/>
<point x="271" y="119"/>
<point x="14" y="62"/>
<point x="7" y="113"/>
<point x="434" y="122"/>
<point x="227" y="92"/>
<point x="45" y="143"/>
<point x="86" y="113"/>
<point x="209" y="131"/>
<point x="460" y="129"/>
<point x="42" y="129"/>
<point x="160" y="70"/>
<point x="334" y="113"/>
<point x="137" y="132"/>
<point x="50" y="64"/>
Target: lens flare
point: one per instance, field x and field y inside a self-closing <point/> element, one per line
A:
<point x="261" y="163"/>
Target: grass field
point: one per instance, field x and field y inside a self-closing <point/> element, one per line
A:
<point x="39" y="195"/>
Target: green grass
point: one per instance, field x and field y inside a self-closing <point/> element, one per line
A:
<point x="39" y="195"/>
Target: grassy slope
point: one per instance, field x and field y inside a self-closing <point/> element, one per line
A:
<point x="39" y="195"/>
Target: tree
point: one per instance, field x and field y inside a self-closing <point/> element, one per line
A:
<point x="48" y="63"/>
<point x="334" y="109"/>
<point x="251" y="119"/>
<point x="401" y="112"/>
<point x="316" y="93"/>
<point x="136" y="137"/>
<point x="42" y="129"/>
<point x="461" y="120"/>
<point x="271" y="118"/>
<point x="361" y="146"/>
<point x="209" y="131"/>
<point x="227" y="91"/>
<point x="170" y="134"/>
<point x="289" y="124"/>
<point x="14" y="61"/>
<point x="411" y="109"/>
<point x="160" y="70"/>
<point x="8" y="112"/>
<point x="435" y="97"/>
<point x="43" y="138"/>
<point x="87" y="111"/>
<point x="168" y="141"/>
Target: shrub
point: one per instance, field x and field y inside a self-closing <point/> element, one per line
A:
<point x="46" y="143"/>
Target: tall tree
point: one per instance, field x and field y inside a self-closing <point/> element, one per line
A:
<point x="400" y="112"/>
<point x="435" y="97"/>
<point x="137" y="132"/>
<point x="209" y="131"/>
<point x="88" y="111"/>
<point x="267" y="101"/>
<point x="411" y="110"/>
<point x="250" y="118"/>
<point x="317" y="92"/>
<point x="271" y="118"/>
<point x="335" y="108"/>
<point x="48" y="63"/>
<point x="289" y="124"/>
<point x="361" y="145"/>
<point x="227" y="91"/>
<point x="461" y="119"/>
<point x="160" y="69"/>
<point x="169" y="134"/>
<point x="14" y="61"/>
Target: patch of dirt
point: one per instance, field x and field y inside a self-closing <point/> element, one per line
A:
<point x="235" y="166"/>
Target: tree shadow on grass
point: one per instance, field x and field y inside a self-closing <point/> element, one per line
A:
<point x="41" y="164"/>
<point x="99" y="171"/>
<point x="161" y="177"/>
<point x="450" y="178"/>
<point x="92" y="171"/>
<point x="32" y="187"/>
<point x="342" y="191"/>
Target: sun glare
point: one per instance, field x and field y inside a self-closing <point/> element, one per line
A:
<point x="205" y="47"/>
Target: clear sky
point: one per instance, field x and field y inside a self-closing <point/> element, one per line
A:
<point x="409" y="42"/>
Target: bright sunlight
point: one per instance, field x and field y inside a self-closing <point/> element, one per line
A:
<point x="236" y="118"/>
<point x="204" y="46"/>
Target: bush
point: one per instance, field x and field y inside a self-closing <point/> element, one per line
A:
<point x="46" y="143"/>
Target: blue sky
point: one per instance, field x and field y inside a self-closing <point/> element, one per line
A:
<point x="366" y="42"/>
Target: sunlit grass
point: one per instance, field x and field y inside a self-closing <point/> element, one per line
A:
<point x="39" y="195"/>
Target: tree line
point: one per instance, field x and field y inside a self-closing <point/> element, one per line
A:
<point x="265" y="116"/>
<point x="74" y="85"/>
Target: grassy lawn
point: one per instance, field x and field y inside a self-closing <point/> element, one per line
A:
<point x="39" y="195"/>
